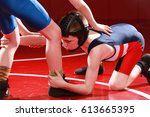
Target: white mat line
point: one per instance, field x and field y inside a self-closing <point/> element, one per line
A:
<point x="76" y="79"/>
<point x="37" y="59"/>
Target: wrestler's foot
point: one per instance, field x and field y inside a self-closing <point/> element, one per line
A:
<point x="144" y="63"/>
<point x="147" y="75"/>
<point x="82" y="71"/>
<point x="4" y="88"/>
<point x="58" y="92"/>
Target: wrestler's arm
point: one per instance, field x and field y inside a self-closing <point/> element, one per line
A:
<point x="28" y="38"/>
<point x="81" y="6"/>
<point x="91" y="75"/>
<point x="85" y="88"/>
<point x="80" y="88"/>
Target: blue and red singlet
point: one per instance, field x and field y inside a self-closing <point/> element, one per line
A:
<point x="128" y="44"/>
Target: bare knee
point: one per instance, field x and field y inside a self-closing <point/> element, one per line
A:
<point x="13" y="39"/>
<point x="118" y="81"/>
<point x="52" y="32"/>
<point x="88" y="90"/>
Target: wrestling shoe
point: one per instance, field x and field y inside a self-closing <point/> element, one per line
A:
<point x="147" y="75"/>
<point x="58" y="92"/>
<point x="4" y="88"/>
<point x="82" y="71"/>
<point x="144" y="63"/>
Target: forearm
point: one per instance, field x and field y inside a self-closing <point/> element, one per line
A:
<point x="33" y="40"/>
<point x="77" y="88"/>
<point x="87" y="87"/>
<point x="81" y="6"/>
<point x="89" y="16"/>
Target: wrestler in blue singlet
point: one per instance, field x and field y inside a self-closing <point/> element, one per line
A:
<point x="29" y="11"/>
<point x="128" y="44"/>
<point x="122" y="34"/>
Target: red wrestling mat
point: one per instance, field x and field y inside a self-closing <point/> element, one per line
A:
<point x="28" y="81"/>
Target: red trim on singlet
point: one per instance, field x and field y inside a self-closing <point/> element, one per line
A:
<point x="121" y="51"/>
<point x="131" y="58"/>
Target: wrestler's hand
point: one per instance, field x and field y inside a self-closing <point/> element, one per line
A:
<point x="4" y="42"/>
<point x="56" y="81"/>
<point x="103" y="28"/>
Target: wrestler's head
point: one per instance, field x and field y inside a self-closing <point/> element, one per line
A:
<point x="74" y="27"/>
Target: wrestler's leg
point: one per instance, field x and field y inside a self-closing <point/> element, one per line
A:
<point x="126" y="71"/>
<point x="142" y="67"/>
<point x="135" y="53"/>
<point x="10" y="31"/>
<point x="6" y="60"/>
<point x="45" y="25"/>
<point x="41" y="22"/>
<point x="118" y="81"/>
<point x="7" y="54"/>
<point x="53" y="46"/>
<point x="133" y="75"/>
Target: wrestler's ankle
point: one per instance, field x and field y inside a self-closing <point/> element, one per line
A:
<point x="4" y="72"/>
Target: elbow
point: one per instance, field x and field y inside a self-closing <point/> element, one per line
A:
<point x="88" y="91"/>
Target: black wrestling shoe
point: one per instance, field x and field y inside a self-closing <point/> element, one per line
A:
<point x="4" y="88"/>
<point x="58" y="92"/>
<point x="82" y="71"/>
<point x="144" y="63"/>
<point x="147" y="75"/>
